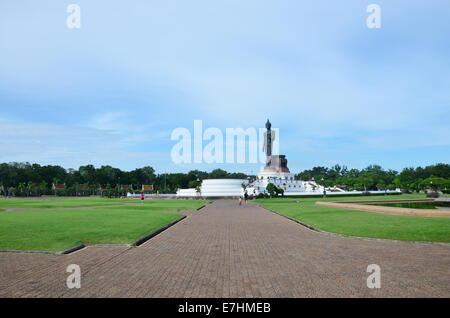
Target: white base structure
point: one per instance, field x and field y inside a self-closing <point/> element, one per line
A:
<point x="284" y="180"/>
<point x="233" y="187"/>
<point x="216" y="188"/>
<point x="222" y="187"/>
<point x="187" y="193"/>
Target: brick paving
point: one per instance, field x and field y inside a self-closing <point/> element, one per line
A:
<point x="225" y="250"/>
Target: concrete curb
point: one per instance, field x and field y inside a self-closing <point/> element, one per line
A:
<point x="64" y="252"/>
<point x="203" y="206"/>
<point x="30" y="252"/>
<point x="72" y="249"/>
<point x="351" y="236"/>
<point x="144" y="239"/>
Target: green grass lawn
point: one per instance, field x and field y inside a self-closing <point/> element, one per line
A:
<point x="59" y="229"/>
<point x="360" y="223"/>
<point x="59" y="202"/>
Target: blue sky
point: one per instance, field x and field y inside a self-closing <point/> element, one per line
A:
<point x="112" y="91"/>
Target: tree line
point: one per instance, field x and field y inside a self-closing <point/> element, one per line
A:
<point x="25" y="179"/>
<point x="374" y="177"/>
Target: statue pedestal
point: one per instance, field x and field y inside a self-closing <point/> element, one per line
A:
<point x="276" y="163"/>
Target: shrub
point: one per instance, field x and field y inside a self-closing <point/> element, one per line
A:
<point x="433" y="194"/>
<point x="280" y="191"/>
<point x="12" y="191"/>
<point x="272" y="189"/>
<point x="60" y="192"/>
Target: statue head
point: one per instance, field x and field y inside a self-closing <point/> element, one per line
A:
<point x="268" y="124"/>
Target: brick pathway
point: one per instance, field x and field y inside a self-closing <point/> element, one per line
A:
<point x="224" y="250"/>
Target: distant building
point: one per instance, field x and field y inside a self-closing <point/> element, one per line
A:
<point x="58" y="186"/>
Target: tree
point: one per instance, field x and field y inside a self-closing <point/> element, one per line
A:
<point x="435" y="183"/>
<point x="381" y="186"/>
<point x="398" y="183"/>
<point x="30" y="188"/>
<point x="372" y="177"/>
<point x="43" y="188"/>
<point x="22" y="187"/>
<point x="117" y="191"/>
<point x="218" y="174"/>
<point x="280" y="191"/>
<point x="55" y="182"/>
<point x="272" y="189"/>
<point x="76" y="188"/>
<point x="108" y="190"/>
<point x="193" y="184"/>
<point x="12" y="191"/>
<point x="87" y="174"/>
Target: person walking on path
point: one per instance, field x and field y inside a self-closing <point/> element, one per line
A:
<point x="142" y="197"/>
<point x="245" y="197"/>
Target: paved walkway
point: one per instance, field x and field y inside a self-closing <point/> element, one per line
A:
<point x="224" y="250"/>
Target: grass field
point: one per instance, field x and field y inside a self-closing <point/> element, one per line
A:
<point x="61" y="202"/>
<point x="360" y="223"/>
<point x="56" y="224"/>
